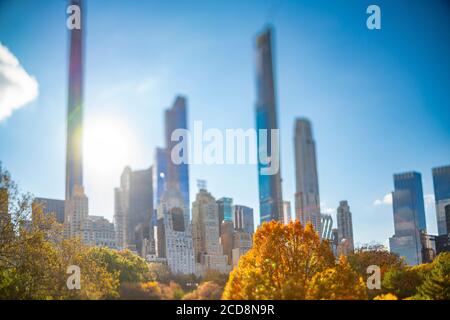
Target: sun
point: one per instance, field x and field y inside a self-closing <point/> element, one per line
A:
<point x="109" y="145"/>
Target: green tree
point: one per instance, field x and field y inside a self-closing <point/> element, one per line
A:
<point x="402" y="282"/>
<point x="128" y="266"/>
<point x="437" y="283"/>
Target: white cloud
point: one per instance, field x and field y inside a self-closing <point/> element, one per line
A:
<point x="386" y="200"/>
<point x="17" y="87"/>
<point x="325" y="209"/>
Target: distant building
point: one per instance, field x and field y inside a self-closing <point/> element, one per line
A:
<point x="173" y="236"/>
<point x="270" y="194"/>
<point x="335" y="241"/>
<point x="76" y="214"/>
<point x="177" y="174"/>
<point x="409" y="217"/>
<point x="287" y="215"/>
<point x="345" y="227"/>
<point x="225" y="206"/>
<point x="307" y="200"/>
<point x="442" y="243"/>
<point x="242" y="243"/>
<point x="92" y="230"/>
<point x="101" y="232"/>
<point x="226" y="238"/>
<point x="441" y="182"/>
<point x="326" y="224"/>
<point x="159" y="174"/>
<point x="52" y="206"/>
<point x="134" y="210"/>
<point x="243" y="219"/>
<point x="205" y="232"/>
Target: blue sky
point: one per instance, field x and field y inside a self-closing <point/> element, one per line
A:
<point x="379" y="100"/>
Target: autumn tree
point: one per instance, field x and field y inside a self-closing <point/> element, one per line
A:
<point x="208" y="290"/>
<point x="360" y="260"/>
<point x="339" y="282"/>
<point x="281" y="263"/>
<point x="402" y="282"/>
<point x="34" y="257"/>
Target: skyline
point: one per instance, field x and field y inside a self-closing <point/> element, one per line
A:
<point x="326" y="158"/>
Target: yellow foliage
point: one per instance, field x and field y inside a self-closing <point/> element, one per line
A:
<point x="282" y="261"/>
<point x="387" y="296"/>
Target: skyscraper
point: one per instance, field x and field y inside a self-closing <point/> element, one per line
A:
<point x="345" y="227"/>
<point x="74" y="155"/>
<point x="326" y="222"/>
<point x="409" y="217"/>
<point x="270" y="194"/>
<point x="243" y="219"/>
<point x="178" y="174"/>
<point x="173" y="236"/>
<point x="225" y="206"/>
<point x="159" y="175"/>
<point x="287" y="214"/>
<point x="134" y="209"/>
<point x="209" y="254"/>
<point x="52" y="206"/>
<point x="441" y="182"/>
<point x="307" y="200"/>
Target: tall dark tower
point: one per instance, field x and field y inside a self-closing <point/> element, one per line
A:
<point x="74" y="146"/>
<point x="270" y="195"/>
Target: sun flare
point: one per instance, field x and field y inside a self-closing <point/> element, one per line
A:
<point x="108" y="145"/>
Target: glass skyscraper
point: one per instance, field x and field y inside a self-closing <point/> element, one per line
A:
<point x="177" y="174"/>
<point x="243" y="219"/>
<point x="409" y="217"/>
<point x="270" y="194"/>
<point x="225" y="210"/>
<point x="441" y="182"/>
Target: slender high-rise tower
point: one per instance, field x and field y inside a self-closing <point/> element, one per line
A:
<point x="177" y="174"/>
<point x="74" y="155"/>
<point x="270" y="195"/>
<point x="307" y="200"/>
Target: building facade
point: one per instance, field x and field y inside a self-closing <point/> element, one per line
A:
<point x="243" y="219"/>
<point x="242" y="243"/>
<point x="441" y="183"/>
<point x="287" y="214"/>
<point x="326" y="224"/>
<point x="173" y="237"/>
<point x="345" y="227"/>
<point x="52" y="206"/>
<point x="134" y="211"/>
<point x="209" y="253"/>
<point x="307" y="200"/>
<point x="225" y="206"/>
<point x="409" y="217"/>
<point x="178" y="174"/>
<point x="270" y="193"/>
